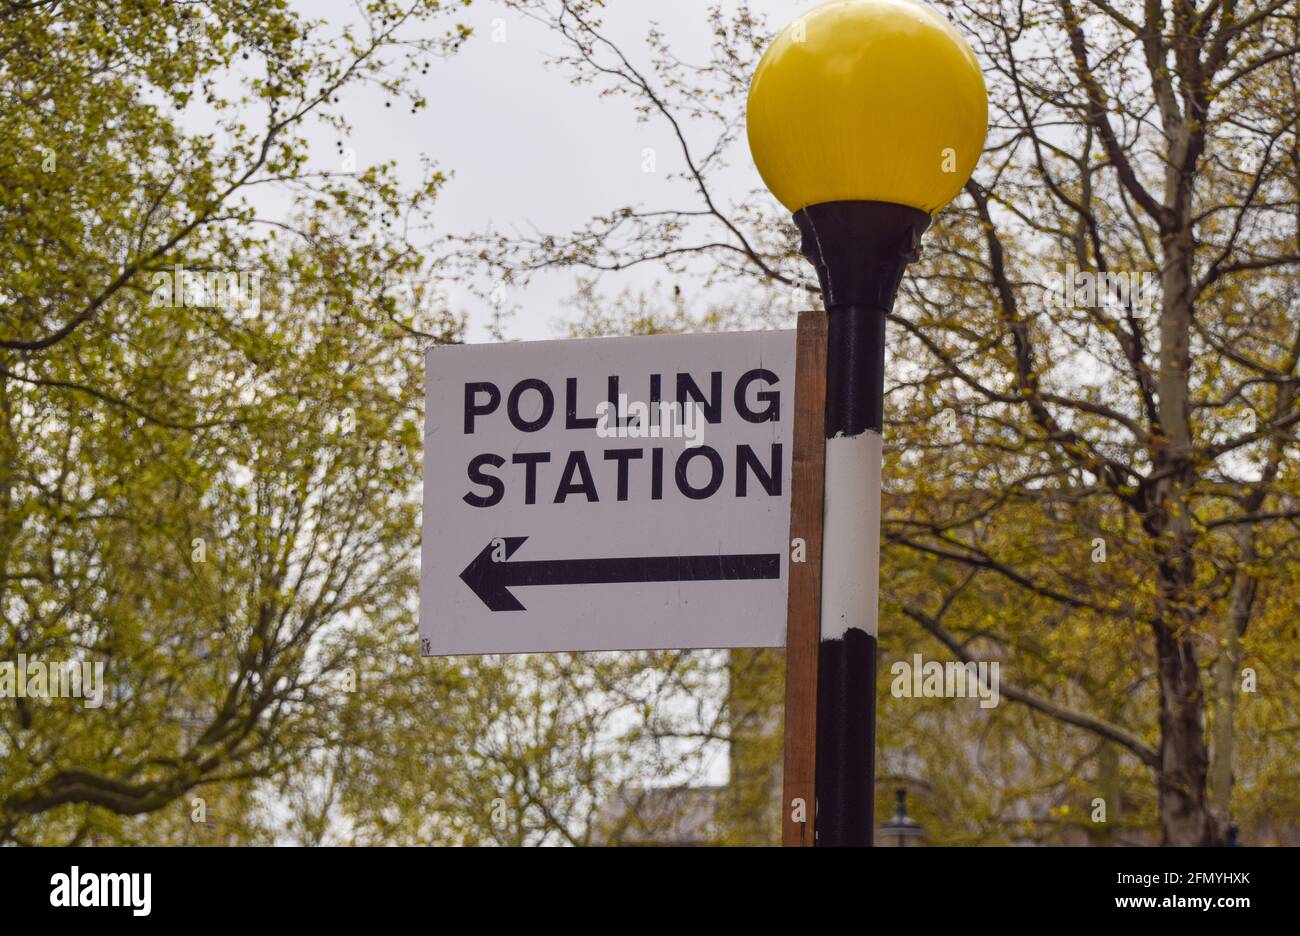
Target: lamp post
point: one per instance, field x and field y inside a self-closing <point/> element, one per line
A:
<point x="902" y="830"/>
<point x="864" y="118"/>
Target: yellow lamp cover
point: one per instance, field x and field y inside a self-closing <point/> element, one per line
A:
<point x="867" y="100"/>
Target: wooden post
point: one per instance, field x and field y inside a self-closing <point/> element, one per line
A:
<point x="803" y="615"/>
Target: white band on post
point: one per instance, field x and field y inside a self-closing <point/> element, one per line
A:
<point x="851" y="535"/>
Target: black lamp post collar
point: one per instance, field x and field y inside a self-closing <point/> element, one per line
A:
<point x="860" y="249"/>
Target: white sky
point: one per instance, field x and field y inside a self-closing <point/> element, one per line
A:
<point x="524" y="146"/>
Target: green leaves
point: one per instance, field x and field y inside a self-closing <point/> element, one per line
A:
<point x="181" y="496"/>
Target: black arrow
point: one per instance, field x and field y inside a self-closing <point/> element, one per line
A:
<point x="491" y="580"/>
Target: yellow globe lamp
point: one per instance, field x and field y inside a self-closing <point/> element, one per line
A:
<point x="865" y="117"/>
<point x="867" y="100"/>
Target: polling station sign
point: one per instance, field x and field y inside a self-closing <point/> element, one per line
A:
<point x="607" y="494"/>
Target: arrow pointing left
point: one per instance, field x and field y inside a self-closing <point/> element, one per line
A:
<point x="492" y="580"/>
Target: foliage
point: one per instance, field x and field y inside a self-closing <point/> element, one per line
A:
<point x="1155" y="140"/>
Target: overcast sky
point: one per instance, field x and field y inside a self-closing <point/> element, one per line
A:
<point x="523" y="145"/>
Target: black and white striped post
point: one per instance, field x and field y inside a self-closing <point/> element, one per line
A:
<point x="865" y="117"/>
<point x="859" y="249"/>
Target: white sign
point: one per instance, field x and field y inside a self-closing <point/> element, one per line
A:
<point x="607" y="494"/>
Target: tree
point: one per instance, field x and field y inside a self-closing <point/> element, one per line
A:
<point x="1100" y="340"/>
<point x="209" y="426"/>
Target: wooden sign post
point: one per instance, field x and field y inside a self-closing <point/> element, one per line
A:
<point x="803" y="622"/>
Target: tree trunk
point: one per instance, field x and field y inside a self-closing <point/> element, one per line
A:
<point x="1184" y="806"/>
<point x="1183" y="767"/>
<point x="1185" y="817"/>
